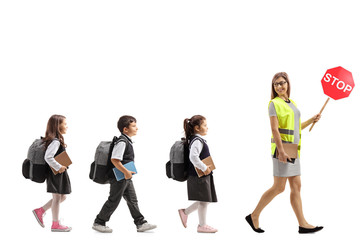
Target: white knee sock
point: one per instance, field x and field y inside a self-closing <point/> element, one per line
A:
<point x="55" y="206"/>
<point x="192" y="208"/>
<point x="48" y="205"/>
<point x="202" y="209"/>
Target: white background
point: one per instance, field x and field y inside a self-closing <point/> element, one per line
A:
<point x="163" y="61"/>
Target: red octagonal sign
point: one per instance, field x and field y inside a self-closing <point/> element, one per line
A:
<point x="337" y="83"/>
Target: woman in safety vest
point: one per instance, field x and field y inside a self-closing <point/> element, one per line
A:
<point x="286" y="129"/>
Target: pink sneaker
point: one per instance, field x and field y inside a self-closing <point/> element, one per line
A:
<point x="206" y="229"/>
<point x="57" y="227"/>
<point x="183" y="217"/>
<point x="39" y="213"/>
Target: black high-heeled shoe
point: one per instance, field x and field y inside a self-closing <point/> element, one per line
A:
<point x="250" y="222"/>
<point x="309" y="230"/>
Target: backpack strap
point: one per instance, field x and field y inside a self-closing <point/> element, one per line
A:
<point x="196" y="138"/>
<point x="115" y="141"/>
<point x="119" y="140"/>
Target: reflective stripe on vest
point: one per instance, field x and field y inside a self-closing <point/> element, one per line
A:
<point x="285" y="116"/>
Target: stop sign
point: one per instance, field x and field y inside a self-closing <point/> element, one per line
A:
<point x="337" y="83"/>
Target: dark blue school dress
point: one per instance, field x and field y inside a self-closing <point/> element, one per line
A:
<point x="203" y="188"/>
<point x="59" y="183"/>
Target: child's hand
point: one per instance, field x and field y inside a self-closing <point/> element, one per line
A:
<point x="128" y="175"/>
<point x="208" y="171"/>
<point x="62" y="169"/>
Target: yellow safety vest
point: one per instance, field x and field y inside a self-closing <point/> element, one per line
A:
<point x="286" y="121"/>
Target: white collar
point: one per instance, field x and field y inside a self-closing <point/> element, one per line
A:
<point x="127" y="137"/>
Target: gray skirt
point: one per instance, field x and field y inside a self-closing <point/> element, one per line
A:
<point x="201" y="189"/>
<point x="286" y="169"/>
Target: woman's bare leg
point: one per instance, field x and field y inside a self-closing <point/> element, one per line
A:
<point x="277" y="188"/>
<point x="296" y="203"/>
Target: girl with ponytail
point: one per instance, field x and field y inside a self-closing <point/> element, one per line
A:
<point x="201" y="190"/>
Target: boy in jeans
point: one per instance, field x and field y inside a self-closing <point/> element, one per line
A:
<point x="122" y="153"/>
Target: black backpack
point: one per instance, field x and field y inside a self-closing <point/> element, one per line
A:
<point x="177" y="166"/>
<point x="34" y="166"/>
<point x="101" y="168"/>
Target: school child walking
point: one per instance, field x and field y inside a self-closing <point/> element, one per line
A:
<point x="201" y="190"/>
<point x="59" y="185"/>
<point x="122" y="153"/>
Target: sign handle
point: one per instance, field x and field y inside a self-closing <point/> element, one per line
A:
<point x="320" y="112"/>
